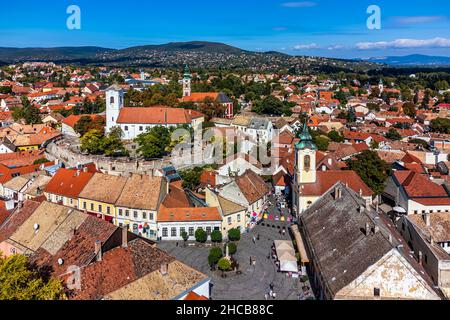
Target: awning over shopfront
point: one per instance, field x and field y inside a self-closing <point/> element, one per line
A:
<point x="300" y="245"/>
<point x="286" y="255"/>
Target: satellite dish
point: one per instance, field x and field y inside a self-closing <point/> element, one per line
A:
<point x="36" y="227"/>
<point x="60" y="261"/>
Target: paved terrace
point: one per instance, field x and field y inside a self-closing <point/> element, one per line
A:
<point x="254" y="281"/>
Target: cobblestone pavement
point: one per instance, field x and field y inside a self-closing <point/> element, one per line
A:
<point x="254" y="281"/>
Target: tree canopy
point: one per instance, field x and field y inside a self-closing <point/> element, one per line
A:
<point x="20" y="281"/>
<point x="154" y="143"/>
<point x="371" y="168"/>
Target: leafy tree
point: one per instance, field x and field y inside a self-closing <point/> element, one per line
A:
<point x="185" y="236"/>
<point x="20" y="281"/>
<point x="214" y="255"/>
<point x="92" y="142"/>
<point x="409" y="109"/>
<point x="273" y="106"/>
<point x="87" y="123"/>
<point x="154" y="142"/>
<point x="112" y="145"/>
<point x="224" y="264"/>
<point x="322" y="143"/>
<point x="40" y="161"/>
<point x="393" y="134"/>
<point x="335" y="136"/>
<point x="201" y="235"/>
<point x="371" y="168"/>
<point x="28" y="113"/>
<point x="441" y="85"/>
<point x="421" y="142"/>
<point x="232" y="248"/>
<point x="191" y="177"/>
<point x="234" y="234"/>
<point x="5" y="89"/>
<point x="374" y="144"/>
<point x="216" y="236"/>
<point x="441" y="125"/>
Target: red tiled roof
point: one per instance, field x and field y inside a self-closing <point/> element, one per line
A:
<point x="73" y="119"/>
<point x="326" y="179"/>
<point x="419" y="185"/>
<point x="17" y="219"/>
<point x="188" y="214"/>
<point x="7" y="174"/>
<point x="200" y="96"/>
<point x="68" y="182"/>
<point x="157" y="115"/>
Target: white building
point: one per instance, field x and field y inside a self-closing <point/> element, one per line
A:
<point x="172" y="222"/>
<point x="135" y="121"/>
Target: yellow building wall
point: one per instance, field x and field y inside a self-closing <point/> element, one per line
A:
<point x="234" y="222"/>
<point x="96" y="204"/>
<point x="26" y="148"/>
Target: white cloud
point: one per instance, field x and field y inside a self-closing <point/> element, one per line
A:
<point x="335" y="47"/>
<point x="418" y="19"/>
<point x="405" y="43"/>
<point x="306" y="46"/>
<point x="301" y="4"/>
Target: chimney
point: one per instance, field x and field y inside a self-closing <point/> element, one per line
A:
<point x="124" y="237"/>
<point x="164" y="268"/>
<point x="337" y="193"/>
<point x="426" y="219"/>
<point x="85" y="169"/>
<point x="390" y="238"/>
<point x="367" y="229"/>
<point x="98" y="250"/>
<point x="360" y="192"/>
<point x="420" y="257"/>
<point x="431" y="241"/>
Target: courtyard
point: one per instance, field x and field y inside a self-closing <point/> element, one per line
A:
<point x="254" y="280"/>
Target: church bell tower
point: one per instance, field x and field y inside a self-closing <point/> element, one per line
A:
<point x="187" y="82"/>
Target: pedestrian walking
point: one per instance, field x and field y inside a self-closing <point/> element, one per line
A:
<point x="270" y="293"/>
<point x="266" y="296"/>
<point x="257" y="237"/>
<point x="250" y="260"/>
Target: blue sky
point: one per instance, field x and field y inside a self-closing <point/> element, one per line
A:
<point x="334" y="28"/>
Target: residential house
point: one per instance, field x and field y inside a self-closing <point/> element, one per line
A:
<point x="172" y="222"/>
<point x="361" y="259"/>
<point x="100" y="195"/>
<point x="138" y="204"/>
<point x="414" y="193"/>
<point x="66" y="185"/>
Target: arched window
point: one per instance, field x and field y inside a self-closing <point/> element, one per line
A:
<point x="111" y="100"/>
<point x="307" y="163"/>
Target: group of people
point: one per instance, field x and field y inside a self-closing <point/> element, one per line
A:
<point x="271" y="293"/>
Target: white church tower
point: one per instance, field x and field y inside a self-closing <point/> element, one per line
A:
<point x="187" y="82"/>
<point x="305" y="158"/>
<point x="381" y="86"/>
<point x="114" y="102"/>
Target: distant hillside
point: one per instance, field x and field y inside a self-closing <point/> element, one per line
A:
<point x="412" y="60"/>
<point x="47" y="54"/>
<point x="198" y="54"/>
<point x="200" y="46"/>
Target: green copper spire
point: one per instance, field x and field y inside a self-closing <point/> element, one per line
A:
<point x="306" y="140"/>
<point x="187" y="72"/>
